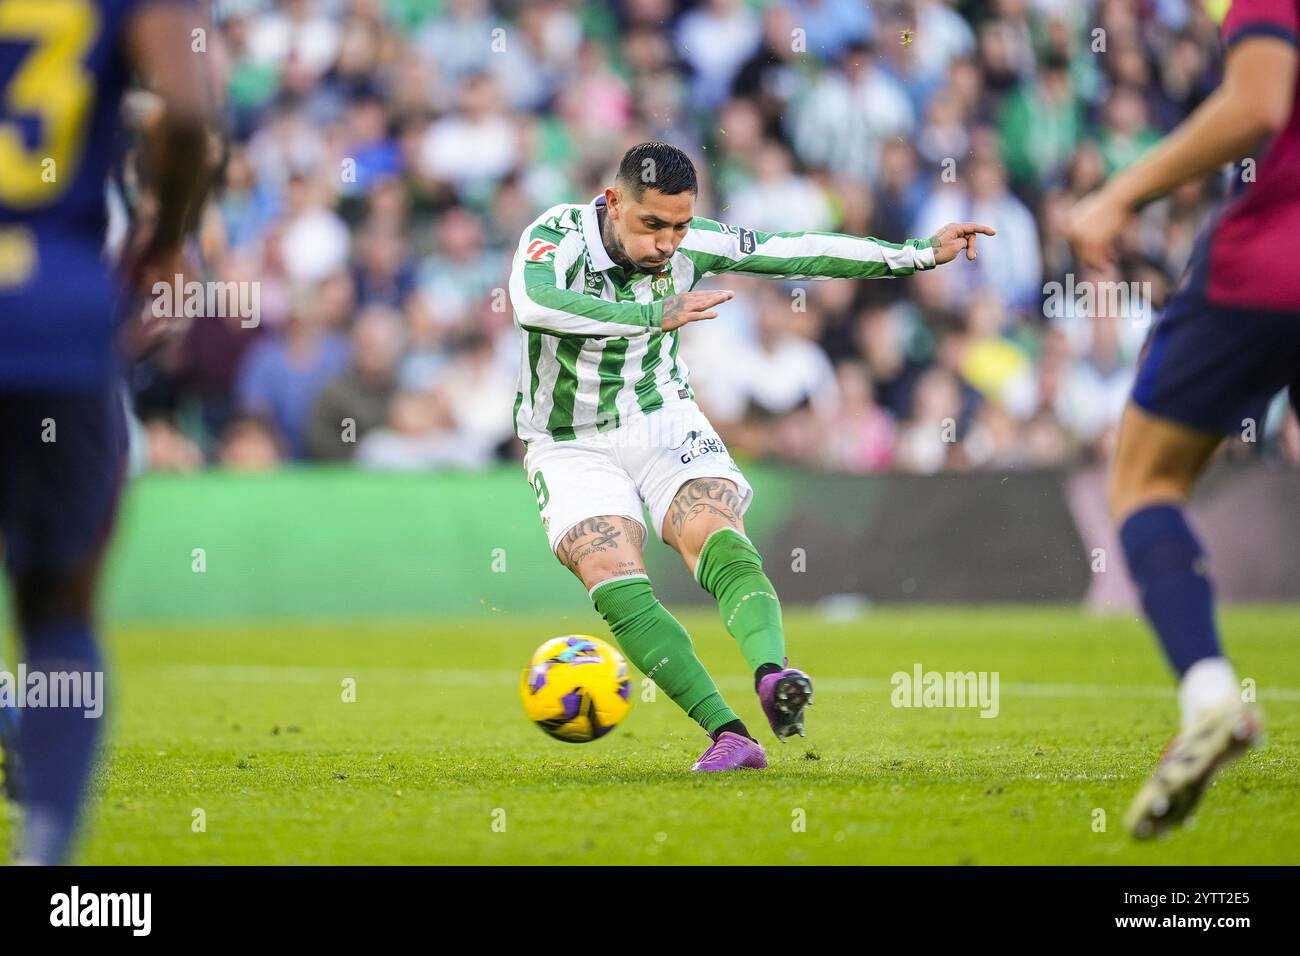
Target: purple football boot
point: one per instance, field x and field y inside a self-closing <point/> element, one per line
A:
<point x="732" y="752"/>
<point x="784" y="695"/>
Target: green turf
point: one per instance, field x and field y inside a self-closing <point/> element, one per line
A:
<point x="248" y="725"/>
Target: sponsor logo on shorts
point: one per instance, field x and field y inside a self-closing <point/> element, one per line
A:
<point x="699" y="445"/>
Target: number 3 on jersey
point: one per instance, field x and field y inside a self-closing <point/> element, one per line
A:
<point x="52" y="91"/>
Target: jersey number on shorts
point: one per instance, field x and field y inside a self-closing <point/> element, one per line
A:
<point x="543" y="493"/>
<point x="52" y="86"/>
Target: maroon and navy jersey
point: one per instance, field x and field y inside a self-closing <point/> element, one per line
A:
<point x="62" y="76"/>
<point x="1249" y="259"/>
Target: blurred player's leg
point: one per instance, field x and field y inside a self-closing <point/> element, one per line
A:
<point x="704" y="526"/>
<point x="56" y="744"/>
<point x="1155" y="466"/>
<point x="10" y="774"/>
<point x="63" y="464"/>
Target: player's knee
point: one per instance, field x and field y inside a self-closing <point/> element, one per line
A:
<point x="700" y="508"/>
<point x="600" y="548"/>
<point x="46" y="597"/>
<point x="1133" y="488"/>
<point x="598" y="570"/>
<point x="1157" y="461"/>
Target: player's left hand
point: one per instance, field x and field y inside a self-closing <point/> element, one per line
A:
<point x="144" y="263"/>
<point x="1095" y="223"/>
<point x="955" y="237"/>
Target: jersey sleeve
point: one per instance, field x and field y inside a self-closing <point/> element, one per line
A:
<point x="544" y="303"/>
<point x="1251" y="18"/>
<point x="716" y="248"/>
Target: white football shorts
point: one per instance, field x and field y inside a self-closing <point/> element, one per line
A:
<point x="643" y="462"/>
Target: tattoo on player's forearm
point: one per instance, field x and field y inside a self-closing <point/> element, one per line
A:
<point x="672" y="310"/>
<point x="706" y="496"/>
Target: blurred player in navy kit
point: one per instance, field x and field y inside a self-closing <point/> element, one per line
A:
<point x="64" y="65"/>
<point x="1228" y="342"/>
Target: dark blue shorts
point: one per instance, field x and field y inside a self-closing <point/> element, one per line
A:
<point x="1211" y="367"/>
<point x="58" y="497"/>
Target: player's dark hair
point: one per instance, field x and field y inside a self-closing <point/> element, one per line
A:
<point x="657" y="166"/>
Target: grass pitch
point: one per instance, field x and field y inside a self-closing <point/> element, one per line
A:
<point x="434" y="762"/>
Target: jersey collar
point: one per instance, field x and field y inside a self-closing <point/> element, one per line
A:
<point x="600" y="259"/>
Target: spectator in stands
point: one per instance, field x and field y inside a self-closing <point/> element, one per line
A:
<point x="285" y="372"/>
<point x="388" y="153"/>
<point x="356" y="402"/>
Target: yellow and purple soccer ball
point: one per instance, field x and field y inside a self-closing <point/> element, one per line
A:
<point x="576" y="688"/>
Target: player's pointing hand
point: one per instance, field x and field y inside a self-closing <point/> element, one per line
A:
<point x="955" y="237"/>
<point x="692" y="307"/>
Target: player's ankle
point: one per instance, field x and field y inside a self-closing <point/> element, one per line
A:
<point x="1204" y="685"/>
<point x="733" y="727"/>
<point x="763" y="671"/>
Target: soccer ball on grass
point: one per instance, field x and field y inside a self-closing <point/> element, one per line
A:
<point x="576" y="688"/>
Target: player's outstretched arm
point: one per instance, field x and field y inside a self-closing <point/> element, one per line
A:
<point x="716" y="248"/>
<point x="1253" y="102"/>
<point x="543" y="302"/>
<point x="175" y="143"/>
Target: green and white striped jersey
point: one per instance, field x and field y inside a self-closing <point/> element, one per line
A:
<point x="593" y="353"/>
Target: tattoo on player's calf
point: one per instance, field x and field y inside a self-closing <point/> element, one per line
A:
<point x="706" y="496"/>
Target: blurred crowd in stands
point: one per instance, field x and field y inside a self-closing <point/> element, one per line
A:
<point x="383" y="157"/>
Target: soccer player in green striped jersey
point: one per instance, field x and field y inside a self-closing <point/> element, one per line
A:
<point x="606" y="411"/>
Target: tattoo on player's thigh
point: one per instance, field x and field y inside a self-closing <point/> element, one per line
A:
<point x="600" y="535"/>
<point x="706" y="496"/>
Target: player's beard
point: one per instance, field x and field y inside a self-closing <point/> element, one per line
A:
<point x="616" y="251"/>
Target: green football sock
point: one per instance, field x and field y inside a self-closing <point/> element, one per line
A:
<point x="657" y="643"/>
<point x="731" y="569"/>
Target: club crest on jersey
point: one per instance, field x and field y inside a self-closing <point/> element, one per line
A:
<point x="697" y="445"/>
<point x="539" y="250"/>
<point x="661" y="286"/>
